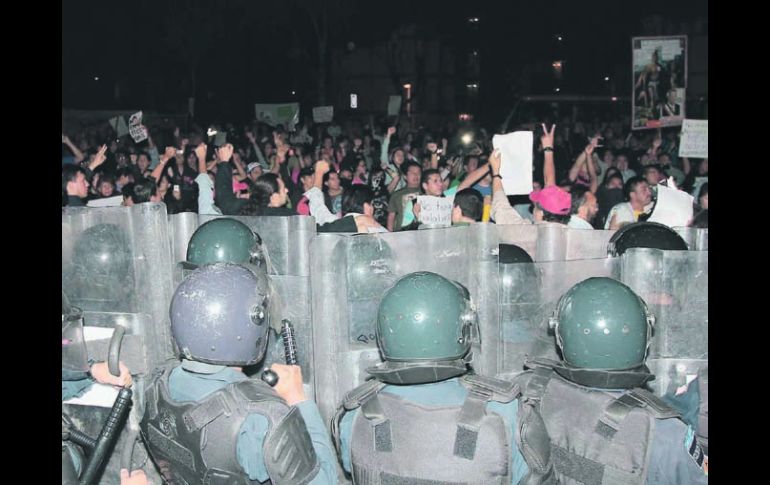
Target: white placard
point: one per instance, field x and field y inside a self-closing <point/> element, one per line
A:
<point x="695" y="139"/>
<point x="135" y="128"/>
<point x="323" y="114"/>
<point x="354" y="101"/>
<point x="394" y="105"/>
<point x="435" y="211"/>
<point x="673" y="208"/>
<point x="516" y="161"/>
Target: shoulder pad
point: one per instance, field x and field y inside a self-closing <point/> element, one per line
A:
<point x="498" y="389"/>
<point x="657" y="406"/>
<point x="355" y="398"/>
<point x="535" y="362"/>
<point x="289" y="454"/>
<point x="252" y="390"/>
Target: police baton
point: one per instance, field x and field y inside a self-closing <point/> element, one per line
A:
<point x="289" y="352"/>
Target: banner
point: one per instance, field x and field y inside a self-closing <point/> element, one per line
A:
<point x="695" y="139"/>
<point x="286" y="114"/>
<point x="135" y="128"/>
<point x="323" y="114"/>
<point x="515" y="161"/>
<point x="660" y="81"/>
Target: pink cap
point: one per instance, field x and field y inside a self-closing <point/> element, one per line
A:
<point x="553" y="199"/>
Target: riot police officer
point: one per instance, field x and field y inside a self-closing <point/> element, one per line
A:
<point x="603" y="425"/>
<point x="206" y="421"/>
<point x="426" y="416"/>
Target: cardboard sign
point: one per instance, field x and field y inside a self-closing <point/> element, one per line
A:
<point x="135" y="128"/>
<point x="435" y="211"/>
<point x="394" y="105"/>
<point x="323" y="114"/>
<point x="516" y="161"/>
<point x="695" y="139"/>
<point x="673" y="208"/>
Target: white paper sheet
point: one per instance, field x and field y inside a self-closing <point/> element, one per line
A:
<point x="516" y="162"/>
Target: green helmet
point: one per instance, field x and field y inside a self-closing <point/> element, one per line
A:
<point x="601" y="324"/>
<point x="424" y="327"/>
<point x="225" y="240"/>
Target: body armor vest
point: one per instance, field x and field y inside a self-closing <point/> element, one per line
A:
<point x="396" y="441"/>
<point x="597" y="437"/>
<point x="195" y="442"/>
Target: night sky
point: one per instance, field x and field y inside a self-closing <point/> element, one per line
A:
<point x="249" y="50"/>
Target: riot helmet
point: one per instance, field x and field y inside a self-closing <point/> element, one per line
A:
<point x="645" y="235"/>
<point x="424" y="327"/>
<point x="219" y="315"/>
<point x="225" y="240"/>
<point x="511" y="253"/>
<point x="601" y="324"/>
<point x="74" y="357"/>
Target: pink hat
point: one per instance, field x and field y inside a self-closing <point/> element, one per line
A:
<point x="552" y="199"/>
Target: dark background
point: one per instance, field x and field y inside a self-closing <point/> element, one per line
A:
<point x="154" y="54"/>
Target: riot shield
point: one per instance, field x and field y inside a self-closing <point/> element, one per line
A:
<point x="587" y="244"/>
<point x="528" y="295"/>
<point x="675" y="286"/>
<point x="115" y="265"/>
<point x="286" y="242"/>
<point x="697" y="239"/>
<point x="345" y="300"/>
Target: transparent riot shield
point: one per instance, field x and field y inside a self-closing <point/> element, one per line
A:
<point x="522" y="235"/>
<point x="528" y="294"/>
<point x="115" y="267"/>
<point x="697" y="239"/>
<point x="675" y="286"/>
<point x="587" y="244"/>
<point x="287" y="246"/>
<point x="345" y="299"/>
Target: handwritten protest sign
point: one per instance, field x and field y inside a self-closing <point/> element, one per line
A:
<point x="435" y="211"/>
<point x="135" y="128"/>
<point x="695" y="139"/>
<point x="323" y="114"/>
<point x="394" y="105"/>
<point x="673" y="208"/>
<point x="516" y="161"/>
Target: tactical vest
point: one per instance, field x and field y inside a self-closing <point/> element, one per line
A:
<point x="597" y="438"/>
<point x="396" y="441"/>
<point x="195" y="443"/>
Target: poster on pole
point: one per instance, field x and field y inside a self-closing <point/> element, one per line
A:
<point x="323" y="114"/>
<point x="659" y="81"/>
<point x="286" y="114"/>
<point x="135" y="128"/>
<point x="695" y="139"/>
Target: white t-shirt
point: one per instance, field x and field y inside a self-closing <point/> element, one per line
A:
<point x="576" y="222"/>
<point x="206" y="196"/>
<point x="624" y="213"/>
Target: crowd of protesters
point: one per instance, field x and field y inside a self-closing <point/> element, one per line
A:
<point x="356" y="176"/>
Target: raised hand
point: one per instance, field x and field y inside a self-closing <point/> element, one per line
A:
<point x="225" y="152"/>
<point x="391" y="131"/>
<point x="100" y="157"/>
<point x="547" y="138"/>
<point x="200" y="151"/>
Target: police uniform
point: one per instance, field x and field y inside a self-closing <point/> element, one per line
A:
<point x="424" y="418"/>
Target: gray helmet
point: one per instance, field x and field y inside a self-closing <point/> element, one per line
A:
<point x="601" y="324"/>
<point x="424" y="328"/>
<point x="74" y="357"/>
<point x="219" y="315"/>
